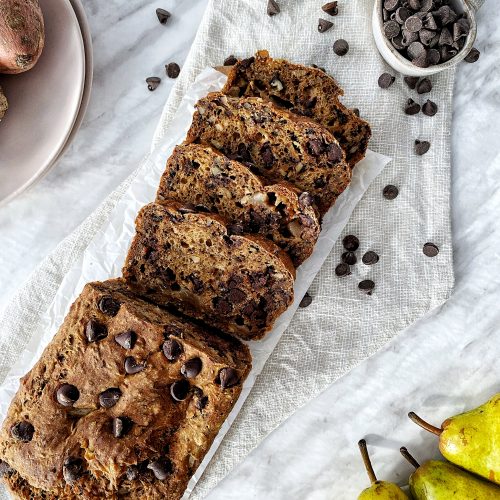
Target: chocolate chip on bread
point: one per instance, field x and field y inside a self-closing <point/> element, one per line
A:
<point x="83" y="425"/>
<point x="302" y="90"/>
<point x="237" y="283"/>
<point x="201" y="176"/>
<point x="278" y="145"/>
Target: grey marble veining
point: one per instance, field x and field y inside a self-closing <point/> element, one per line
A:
<point x="443" y="364"/>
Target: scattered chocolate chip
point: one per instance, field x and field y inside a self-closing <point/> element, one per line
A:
<point x="172" y="349"/>
<point x="391" y="5"/>
<point x="370" y="258"/>
<point x="411" y="81"/>
<point x="179" y="390"/>
<point x="22" y="431"/>
<point x="341" y="47"/>
<point x="429" y="108"/>
<point x="109" y="306"/>
<point x="201" y="402"/>
<point x="126" y="339"/>
<point x="163" y="15"/>
<point x="306" y="301"/>
<point x="421" y="147"/>
<point x="161" y="468"/>
<point x="385" y="80"/>
<point x="350" y="243"/>
<point x="153" y="82"/>
<point x="272" y="8"/>
<point x="95" y="331"/>
<point x="109" y="397"/>
<point x="121" y="425"/>
<point x="391" y="29"/>
<point x="191" y="368"/>
<point x="324" y="25"/>
<point x="413" y="24"/>
<point x="172" y="69"/>
<point x="230" y="60"/>
<point x="342" y="270"/>
<point x="132" y="472"/>
<point x="390" y="192"/>
<point x="132" y="366"/>
<point x="227" y="377"/>
<point x="366" y="286"/>
<point x="67" y="395"/>
<point x="72" y="469"/>
<point x="349" y="258"/>
<point x="331" y="8"/>
<point x="430" y="250"/>
<point x="472" y="56"/>
<point x="424" y="86"/>
<point x="412" y="107"/>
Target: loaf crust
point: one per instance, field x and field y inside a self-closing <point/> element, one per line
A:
<point x="303" y="90"/>
<point x="239" y="284"/>
<point x="201" y="176"/>
<point x="279" y="145"/>
<point x="160" y="428"/>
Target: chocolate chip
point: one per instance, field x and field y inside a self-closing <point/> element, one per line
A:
<point x="391" y="29"/>
<point x="445" y="37"/>
<point x="350" y="243"/>
<point x="370" y="258"/>
<point x="153" y="82"/>
<point x="342" y="270"/>
<point x="429" y="22"/>
<point x="446" y="15"/>
<point x="331" y="8"/>
<point x="132" y="366"/>
<point x="472" y="56"/>
<point x="421" y="147"/>
<point x="422" y="60"/>
<point x="272" y="8"/>
<point x="446" y="53"/>
<point x="366" y="286"/>
<point x="227" y="377"/>
<point x="230" y="60"/>
<point x="67" y="395"/>
<point x="426" y="36"/>
<point x="109" y="306"/>
<point x="411" y="81"/>
<point x="386" y="15"/>
<point x="433" y="56"/>
<point x="306" y="199"/>
<point x="161" y="468"/>
<point x="191" y="368"/>
<point x="109" y="397"/>
<point x="95" y="331"/>
<point x="385" y="80"/>
<point x="236" y="296"/>
<point x="172" y="69"/>
<point x="126" y="339"/>
<point x="341" y="47"/>
<point x="201" y="402"/>
<point x="22" y="431"/>
<point x="413" y="24"/>
<point x="430" y="250"/>
<point x="390" y="192"/>
<point x="163" y="15"/>
<point x="121" y="425"/>
<point x="411" y="107"/>
<point x="222" y="306"/>
<point x="408" y="37"/>
<point x="179" y="390"/>
<point x="72" y="469"/>
<point x="402" y="14"/>
<point x="172" y="349"/>
<point x="5" y="469"/>
<point x="324" y="25"/>
<point x="132" y="472"/>
<point x="316" y="147"/>
<point x="414" y="4"/>
<point x="306" y="301"/>
<point x="429" y="108"/>
<point x="416" y="49"/>
<point x="349" y="258"/>
<point x="334" y="153"/>
<point x="267" y="155"/>
<point x="391" y="5"/>
<point x="460" y="29"/>
<point x="424" y="86"/>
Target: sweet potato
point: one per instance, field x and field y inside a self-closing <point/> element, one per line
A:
<point x="3" y="104"/>
<point x="22" y="35"/>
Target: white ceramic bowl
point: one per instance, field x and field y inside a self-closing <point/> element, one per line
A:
<point x="403" y="65"/>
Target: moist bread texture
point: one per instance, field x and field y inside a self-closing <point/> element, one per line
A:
<point x="201" y="176"/>
<point x="124" y="402"/>
<point x="237" y="283"/>
<point x="276" y="144"/>
<point x="302" y="90"/>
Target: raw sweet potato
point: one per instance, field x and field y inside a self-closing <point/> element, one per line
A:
<point x="3" y="104"/>
<point x="22" y="35"/>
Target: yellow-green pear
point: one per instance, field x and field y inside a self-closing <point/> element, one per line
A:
<point x="437" y="480"/>
<point x="379" y="490"/>
<point x="472" y="439"/>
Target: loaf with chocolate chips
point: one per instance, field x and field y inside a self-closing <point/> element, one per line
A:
<point x="302" y="90"/>
<point x="124" y="402"/>
<point x="189" y="260"/>
<point x="279" y="145"/>
<point x="201" y="176"/>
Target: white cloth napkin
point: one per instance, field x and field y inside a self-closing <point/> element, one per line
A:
<point x="341" y="327"/>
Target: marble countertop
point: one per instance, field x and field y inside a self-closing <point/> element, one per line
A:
<point x="443" y="364"/>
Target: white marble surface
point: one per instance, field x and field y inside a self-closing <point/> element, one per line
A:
<point x="441" y="365"/>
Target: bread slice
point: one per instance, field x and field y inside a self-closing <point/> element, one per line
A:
<point x="239" y="284"/>
<point x="200" y="176"/>
<point x="305" y="91"/>
<point x="280" y="146"/>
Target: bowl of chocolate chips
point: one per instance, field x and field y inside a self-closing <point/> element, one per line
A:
<point x="424" y="37"/>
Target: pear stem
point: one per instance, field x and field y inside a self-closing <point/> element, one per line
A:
<point x="425" y="425"/>
<point x="366" y="460"/>
<point x="409" y="457"/>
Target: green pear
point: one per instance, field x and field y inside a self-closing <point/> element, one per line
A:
<point x="379" y="490"/>
<point x="471" y="440"/>
<point x="436" y="480"/>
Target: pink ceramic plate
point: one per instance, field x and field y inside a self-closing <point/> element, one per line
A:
<point x="43" y="102"/>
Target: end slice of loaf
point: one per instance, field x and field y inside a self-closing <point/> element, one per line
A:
<point x="305" y="91"/>
<point x="198" y="175"/>
<point x="239" y="284"/>
<point x="281" y="146"/>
